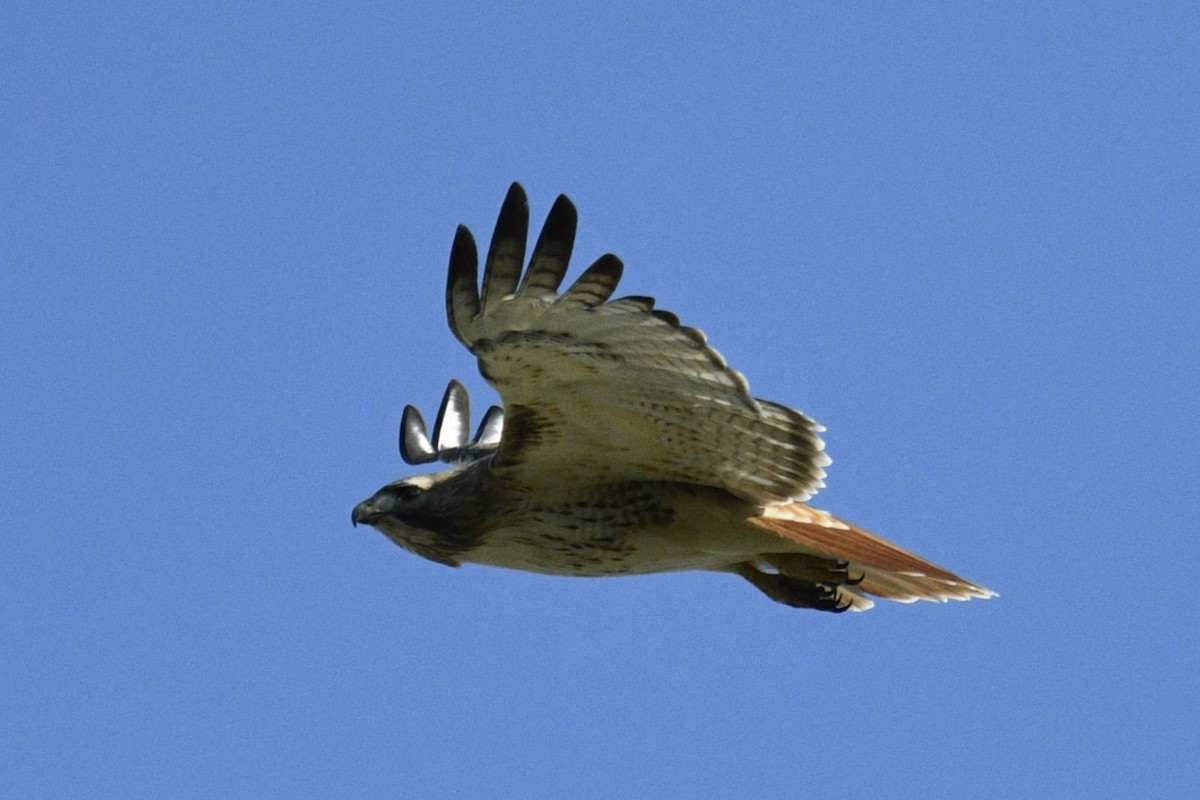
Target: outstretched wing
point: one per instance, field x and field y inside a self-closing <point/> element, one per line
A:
<point x="612" y="390"/>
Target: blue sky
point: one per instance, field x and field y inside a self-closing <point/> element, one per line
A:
<point x="962" y="236"/>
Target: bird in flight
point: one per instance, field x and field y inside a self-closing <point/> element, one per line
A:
<point x="626" y="446"/>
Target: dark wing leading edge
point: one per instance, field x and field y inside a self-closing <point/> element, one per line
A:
<point x="612" y="390"/>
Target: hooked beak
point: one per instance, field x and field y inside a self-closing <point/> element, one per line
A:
<point x="367" y="512"/>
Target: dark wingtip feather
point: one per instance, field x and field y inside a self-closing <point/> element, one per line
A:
<point x="451" y="430"/>
<point x="506" y="253"/>
<point x="552" y="252"/>
<point x="415" y="447"/>
<point x="462" y="284"/>
<point x="596" y="284"/>
<point x="490" y="428"/>
<point x="450" y="442"/>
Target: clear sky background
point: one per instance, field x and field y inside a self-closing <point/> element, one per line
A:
<point x="962" y="236"/>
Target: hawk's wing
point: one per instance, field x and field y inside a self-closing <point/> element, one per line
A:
<point x="449" y="442"/>
<point x="613" y="390"/>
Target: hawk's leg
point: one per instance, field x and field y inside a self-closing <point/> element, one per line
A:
<point x="797" y="592"/>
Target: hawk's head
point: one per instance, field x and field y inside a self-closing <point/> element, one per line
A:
<point x="396" y="503"/>
<point x="438" y="516"/>
<point x="427" y="514"/>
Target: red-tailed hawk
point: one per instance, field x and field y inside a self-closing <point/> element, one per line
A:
<point x="626" y="446"/>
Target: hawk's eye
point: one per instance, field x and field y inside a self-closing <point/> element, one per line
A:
<point x="407" y="492"/>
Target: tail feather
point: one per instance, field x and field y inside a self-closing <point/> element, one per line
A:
<point x="888" y="570"/>
<point x="911" y="588"/>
